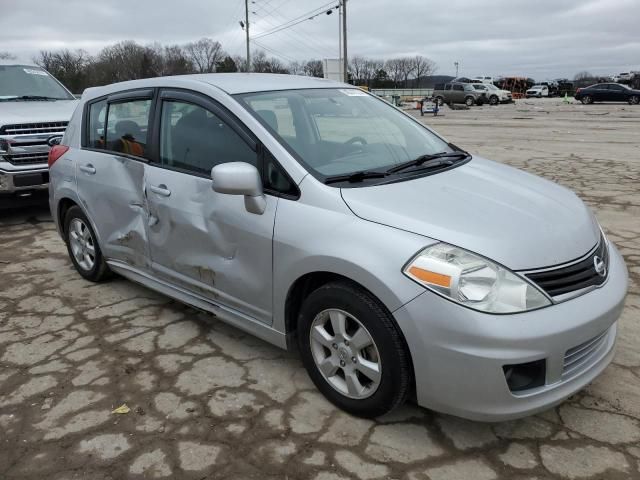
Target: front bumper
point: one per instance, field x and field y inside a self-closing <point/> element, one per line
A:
<point x="22" y="185"/>
<point x="458" y="353"/>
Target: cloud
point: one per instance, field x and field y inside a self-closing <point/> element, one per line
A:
<point x="542" y="39"/>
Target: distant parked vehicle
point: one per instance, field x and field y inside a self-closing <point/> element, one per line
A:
<point x="608" y="92"/>
<point x="457" y="92"/>
<point x="494" y="94"/>
<point x="484" y="79"/>
<point x="538" y="91"/>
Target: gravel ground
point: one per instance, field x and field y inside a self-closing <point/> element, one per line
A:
<point x="207" y="401"/>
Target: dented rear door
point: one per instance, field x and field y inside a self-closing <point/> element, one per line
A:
<point x="110" y="183"/>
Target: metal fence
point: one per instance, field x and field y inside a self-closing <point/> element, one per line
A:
<point x="403" y="92"/>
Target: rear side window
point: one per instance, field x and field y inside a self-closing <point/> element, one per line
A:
<point x="194" y="139"/>
<point x="127" y="125"/>
<point x="97" y="116"/>
<point x="458" y="87"/>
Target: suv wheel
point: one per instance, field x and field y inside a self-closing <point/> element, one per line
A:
<point x="353" y="350"/>
<point x="469" y="101"/>
<point x="634" y="100"/>
<point x="83" y="247"/>
<point x="494" y="100"/>
<point x="586" y="100"/>
<point x="440" y="101"/>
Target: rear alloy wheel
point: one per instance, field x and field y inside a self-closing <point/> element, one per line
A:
<point x="634" y="100"/>
<point x="469" y="101"/>
<point x="494" y="100"/>
<point x="586" y="100"/>
<point x="83" y="247"/>
<point x="353" y="350"/>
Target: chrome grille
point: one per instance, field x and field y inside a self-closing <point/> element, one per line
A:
<point x="575" y="276"/>
<point x="34" y="128"/>
<point x="578" y="356"/>
<point x="26" y="158"/>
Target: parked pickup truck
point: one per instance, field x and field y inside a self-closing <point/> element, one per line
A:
<point x="34" y="111"/>
<point x="458" y="92"/>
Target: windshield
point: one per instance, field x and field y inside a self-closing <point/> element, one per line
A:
<point x="341" y="131"/>
<point x="17" y="81"/>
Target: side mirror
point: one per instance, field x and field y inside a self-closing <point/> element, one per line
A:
<point x="240" y="178"/>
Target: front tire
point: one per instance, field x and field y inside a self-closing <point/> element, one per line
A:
<point x="634" y="100"/>
<point x="353" y="350"/>
<point x="494" y="100"/>
<point x="440" y="101"/>
<point x="82" y="245"/>
<point x="469" y="101"/>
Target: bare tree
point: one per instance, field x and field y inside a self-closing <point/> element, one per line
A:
<point x="204" y="54"/>
<point x="370" y="70"/>
<point x="70" y="67"/>
<point x="7" y="56"/>
<point x="260" y="63"/>
<point x="296" y="68"/>
<point x="357" y="66"/>
<point x="584" y="75"/>
<point x="313" y="68"/>
<point x="422" y="67"/>
<point x="406" y="67"/>
<point x="394" y="69"/>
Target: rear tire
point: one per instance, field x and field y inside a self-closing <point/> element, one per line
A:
<point x="353" y="350"/>
<point x="634" y="100"/>
<point x="82" y="245"/>
<point x="586" y="100"/>
<point x="440" y="101"/>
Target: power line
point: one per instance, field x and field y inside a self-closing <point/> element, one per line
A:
<point x="275" y="52"/>
<point x="302" y="18"/>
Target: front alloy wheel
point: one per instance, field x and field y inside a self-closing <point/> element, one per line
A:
<point x="469" y="101"/>
<point x="345" y="353"/>
<point x="586" y="100"/>
<point x="634" y="100"/>
<point x="353" y="350"/>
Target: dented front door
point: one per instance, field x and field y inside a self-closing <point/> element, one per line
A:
<point x="208" y="243"/>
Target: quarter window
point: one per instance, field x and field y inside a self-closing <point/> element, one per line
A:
<point x="127" y="124"/>
<point x="194" y="139"/>
<point x="97" y="115"/>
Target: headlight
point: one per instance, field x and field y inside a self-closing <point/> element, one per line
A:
<point x="473" y="281"/>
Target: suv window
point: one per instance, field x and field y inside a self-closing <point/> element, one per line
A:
<point x="97" y="115"/>
<point x="194" y="139"/>
<point x="447" y="86"/>
<point x="127" y="124"/>
<point x="458" y="88"/>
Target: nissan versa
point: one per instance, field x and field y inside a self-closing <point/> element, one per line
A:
<point x="306" y="210"/>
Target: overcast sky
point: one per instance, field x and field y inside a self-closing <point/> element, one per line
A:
<point x="543" y="39"/>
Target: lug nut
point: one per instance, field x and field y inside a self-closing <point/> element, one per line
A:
<point x="335" y="346"/>
<point x="346" y="343"/>
<point x="354" y="360"/>
<point x="342" y="364"/>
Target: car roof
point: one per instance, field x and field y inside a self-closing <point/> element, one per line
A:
<point x="231" y="83"/>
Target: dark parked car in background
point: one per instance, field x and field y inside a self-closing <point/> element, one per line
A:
<point x="608" y="92"/>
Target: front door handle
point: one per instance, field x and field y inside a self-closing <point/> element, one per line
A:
<point x="161" y="190"/>
<point x="90" y="169"/>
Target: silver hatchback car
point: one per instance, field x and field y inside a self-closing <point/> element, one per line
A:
<point x="310" y="213"/>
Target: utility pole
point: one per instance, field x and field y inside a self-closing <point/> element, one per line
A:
<point x="457" y="64"/>
<point x="345" y="61"/>
<point x="246" y="29"/>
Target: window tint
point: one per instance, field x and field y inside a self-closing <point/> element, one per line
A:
<point x="127" y="124"/>
<point x="447" y="87"/>
<point x="458" y="87"/>
<point x="97" y="115"/>
<point x="194" y="139"/>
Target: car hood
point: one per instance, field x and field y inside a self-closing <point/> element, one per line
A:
<point x="34" y="111"/>
<point x="517" y="219"/>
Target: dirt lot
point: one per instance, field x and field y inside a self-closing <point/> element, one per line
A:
<point x="210" y="402"/>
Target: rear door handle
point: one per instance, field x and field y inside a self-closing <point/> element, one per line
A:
<point x="161" y="190"/>
<point x="90" y="169"/>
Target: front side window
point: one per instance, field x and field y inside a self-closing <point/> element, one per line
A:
<point x="127" y="125"/>
<point x="195" y="140"/>
<point x="341" y="131"/>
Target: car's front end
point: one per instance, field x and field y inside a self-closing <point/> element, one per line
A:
<point x="29" y="125"/>
<point x="497" y="366"/>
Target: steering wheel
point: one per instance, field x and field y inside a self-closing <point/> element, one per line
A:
<point x="353" y="140"/>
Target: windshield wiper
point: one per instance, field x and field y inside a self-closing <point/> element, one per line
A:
<point x="31" y="97"/>
<point x="354" y="177"/>
<point x="430" y="161"/>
